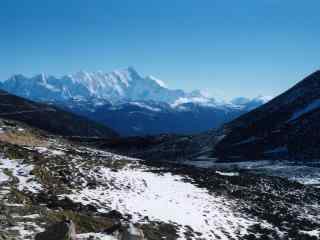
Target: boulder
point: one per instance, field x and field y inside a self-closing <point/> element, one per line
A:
<point x="114" y="214"/>
<point x="114" y="228"/>
<point x="64" y="230"/>
<point x="130" y="232"/>
<point x="5" y="236"/>
<point x="53" y="202"/>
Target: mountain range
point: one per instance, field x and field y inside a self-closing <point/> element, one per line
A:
<point x="129" y="103"/>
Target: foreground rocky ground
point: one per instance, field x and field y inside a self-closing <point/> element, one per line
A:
<point x="46" y="180"/>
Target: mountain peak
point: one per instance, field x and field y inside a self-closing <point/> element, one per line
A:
<point x="128" y="70"/>
<point x="16" y="76"/>
<point x="131" y="69"/>
<point x="42" y="77"/>
<point x="317" y="72"/>
<point x="310" y="80"/>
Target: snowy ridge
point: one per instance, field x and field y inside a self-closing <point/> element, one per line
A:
<point x="119" y="85"/>
<point x="158" y="81"/>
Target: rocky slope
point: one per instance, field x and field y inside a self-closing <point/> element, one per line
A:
<point x="49" y="118"/>
<point x="160" y="148"/>
<point x="45" y="180"/>
<point x="285" y="127"/>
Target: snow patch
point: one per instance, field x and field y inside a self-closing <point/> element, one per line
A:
<point x="143" y="105"/>
<point x="203" y="101"/>
<point x="95" y="236"/>
<point x="21" y="172"/>
<point x="248" y="140"/>
<point x="310" y="107"/>
<point x="26" y="229"/>
<point x="313" y="233"/>
<point x="46" y="150"/>
<point x="277" y="150"/>
<point x="229" y="174"/>
<point x="166" y="198"/>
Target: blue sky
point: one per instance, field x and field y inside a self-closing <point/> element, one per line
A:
<point x="230" y="47"/>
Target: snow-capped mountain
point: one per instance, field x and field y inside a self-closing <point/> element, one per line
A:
<point x="120" y="85"/>
<point x="129" y="102"/>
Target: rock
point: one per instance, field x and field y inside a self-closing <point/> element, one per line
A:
<point x="113" y="228"/>
<point x="65" y="203"/>
<point x="64" y="230"/>
<point x="5" y="236"/>
<point x="114" y="214"/>
<point x="130" y="232"/>
<point x="89" y="208"/>
<point x="53" y="202"/>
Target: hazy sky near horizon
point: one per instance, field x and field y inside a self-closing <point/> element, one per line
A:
<point x="226" y="47"/>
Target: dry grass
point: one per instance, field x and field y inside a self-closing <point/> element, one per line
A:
<point x="24" y="138"/>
